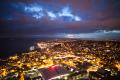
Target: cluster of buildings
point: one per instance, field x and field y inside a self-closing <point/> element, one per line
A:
<point x="66" y="59"/>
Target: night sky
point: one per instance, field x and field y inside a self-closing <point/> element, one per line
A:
<point x="60" y="18"/>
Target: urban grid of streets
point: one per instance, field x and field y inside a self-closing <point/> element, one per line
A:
<point x="82" y="59"/>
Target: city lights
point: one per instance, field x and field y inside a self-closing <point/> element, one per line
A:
<point x="62" y="59"/>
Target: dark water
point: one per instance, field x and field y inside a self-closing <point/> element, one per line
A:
<point x="11" y="46"/>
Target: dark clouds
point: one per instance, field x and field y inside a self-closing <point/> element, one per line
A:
<point x="95" y="14"/>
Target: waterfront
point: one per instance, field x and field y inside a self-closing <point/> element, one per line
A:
<point x="81" y="59"/>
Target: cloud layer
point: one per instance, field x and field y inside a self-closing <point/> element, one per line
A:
<point x="38" y="12"/>
<point x="100" y="34"/>
<point x="42" y="17"/>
